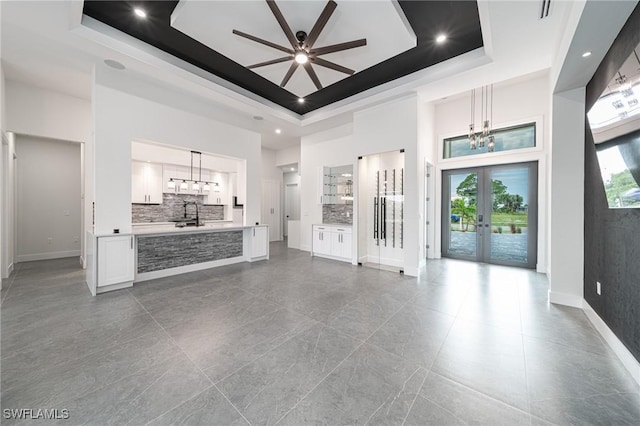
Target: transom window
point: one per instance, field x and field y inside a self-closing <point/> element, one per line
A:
<point x="506" y="139"/>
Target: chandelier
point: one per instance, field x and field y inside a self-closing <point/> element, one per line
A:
<point x="484" y="136"/>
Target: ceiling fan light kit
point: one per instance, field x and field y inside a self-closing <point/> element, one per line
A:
<point x="302" y="51"/>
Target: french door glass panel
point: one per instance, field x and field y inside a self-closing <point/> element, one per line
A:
<point x="489" y="214"/>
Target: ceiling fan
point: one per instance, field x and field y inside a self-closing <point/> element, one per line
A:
<point x="302" y="51"/>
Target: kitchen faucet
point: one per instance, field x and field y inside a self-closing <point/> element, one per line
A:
<point x="195" y="203"/>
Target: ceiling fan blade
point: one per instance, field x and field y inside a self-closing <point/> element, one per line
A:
<point x="271" y="62"/>
<point x="331" y="65"/>
<point x="339" y="47"/>
<point x="320" y="23"/>
<point x="262" y="41"/>
<point x="283" y="23"/>
<point x="289" y="73"/>
<point x="312" y="75"/>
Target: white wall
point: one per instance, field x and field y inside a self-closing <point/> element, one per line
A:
<point x="40" y="112"/>
<point x="270" y="170"/>
<point x="8" y="205"/>
<point x="289" y="155"/>
<point x="566" y="271"/>
<point x="45" y="113"/>
<point x="120" y="117"/>
<point x="48" y="198"/>
<point x="389" y="127"/>
<point x="514" y="103"/>
<point x="3" y="143"/>
<point x="334" y="147"/>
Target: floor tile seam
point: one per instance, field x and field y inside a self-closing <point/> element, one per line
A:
<point x="176" y="406"/>
<point x="173" y="341"/>
<point x="585" y="398"/>
<point x="36" y="380"/>
<point x="424" y="379"/>
<point x="574" y="348"/>
<point x="442" y="408"/>
<point x="192" y="363"/>
<point x="92" y="353"/>
<point x="268" y="352"/>
<point x="231" y="403"/>
<point x="236" y="327"/>
<point x="319" y="383"/>
<point x="444" y="340"/>
<point x="478" y="391"/>
<point x="68" y="401"/>
<point x="336" y="367"/>
<point x="524" y="353"/>
<point x="190" y="285"/>
<point x="32" y="345"/>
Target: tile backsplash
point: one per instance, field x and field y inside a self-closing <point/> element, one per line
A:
<point x="337" y="213"/>
<point x="172" y="207"/>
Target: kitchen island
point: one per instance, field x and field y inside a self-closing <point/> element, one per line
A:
<point x="157" y="251"/>
<point x="167" y="250"/>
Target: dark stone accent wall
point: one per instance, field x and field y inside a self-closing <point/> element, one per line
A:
<point x="612" y="236"/>
<point x="171" y="208"/>
<point x="159" y="252"/>
<point x="337" y="213"/>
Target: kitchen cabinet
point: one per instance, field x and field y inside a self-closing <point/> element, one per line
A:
<point x="259" y="242"/>
<point x="146" y="183"/>
<point x="115" y="261"/>
<point x="219" y="193"/>
<point x="322" y="240"/>
<point x="332" y="241"/>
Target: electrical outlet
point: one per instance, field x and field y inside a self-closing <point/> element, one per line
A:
<point x="598" y="288"/>
<point x="67" y="212"/>
<point x="76" y="239"/>
<point x="49" y="240"/>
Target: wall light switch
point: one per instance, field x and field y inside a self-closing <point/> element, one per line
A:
<point x="598" y="288"/>
<point x="67" y="213"/>
<point x="49" y="240"/>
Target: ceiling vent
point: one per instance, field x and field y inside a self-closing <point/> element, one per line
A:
<point x="545" y="7"/>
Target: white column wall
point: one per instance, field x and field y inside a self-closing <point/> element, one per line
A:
<point x="331" y="148"/>
<point x="566" y="272"/>
<point x="389" y="127"/>
<point x="120" y="117"/>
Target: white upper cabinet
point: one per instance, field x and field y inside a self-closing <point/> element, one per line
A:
<point x="219" y="193"/>
<point x="146" y="183"/>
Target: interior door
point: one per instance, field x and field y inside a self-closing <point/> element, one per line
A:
<point x="291" y="196"/>
<point x="490" y="214"/>
<point x="271" y="208"/>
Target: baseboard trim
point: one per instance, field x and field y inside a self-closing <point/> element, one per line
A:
<point x="565" y="299"/>
<point x="10" y="269"/>
<point x="628" y="360"/>
<point x="47" y="256"/>
<point x="305" y="248"/>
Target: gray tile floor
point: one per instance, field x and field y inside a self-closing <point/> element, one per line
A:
<point x="297" y="340"/>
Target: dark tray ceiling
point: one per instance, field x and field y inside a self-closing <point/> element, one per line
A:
<point x="458" y="19"/>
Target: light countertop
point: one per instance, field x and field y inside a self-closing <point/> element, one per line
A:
<point x="341" y="225"/>
<point x="172" y="229"/>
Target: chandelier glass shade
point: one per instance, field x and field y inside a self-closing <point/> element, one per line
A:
<point x="478" y="139"/>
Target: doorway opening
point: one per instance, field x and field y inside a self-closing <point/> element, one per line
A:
<point x="489" y="214"/>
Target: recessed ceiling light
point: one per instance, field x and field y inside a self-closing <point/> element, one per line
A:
<point x="278" y="131"/>
<point x="586" y="54"/>
<point x="114" y="64"/>
<point x="292" y="169"/>
<point x="441" y="38"/>
<point x="300" y="100"/>
<point x="301" y="58"/>
<point x="140" y="13"/>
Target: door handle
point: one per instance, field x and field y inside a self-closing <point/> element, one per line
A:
<point x="132" y="242"/>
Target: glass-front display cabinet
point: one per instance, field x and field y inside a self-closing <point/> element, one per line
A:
<point x="337" y="185"/>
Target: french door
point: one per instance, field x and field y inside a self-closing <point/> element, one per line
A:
<point x="490" y="214"/>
